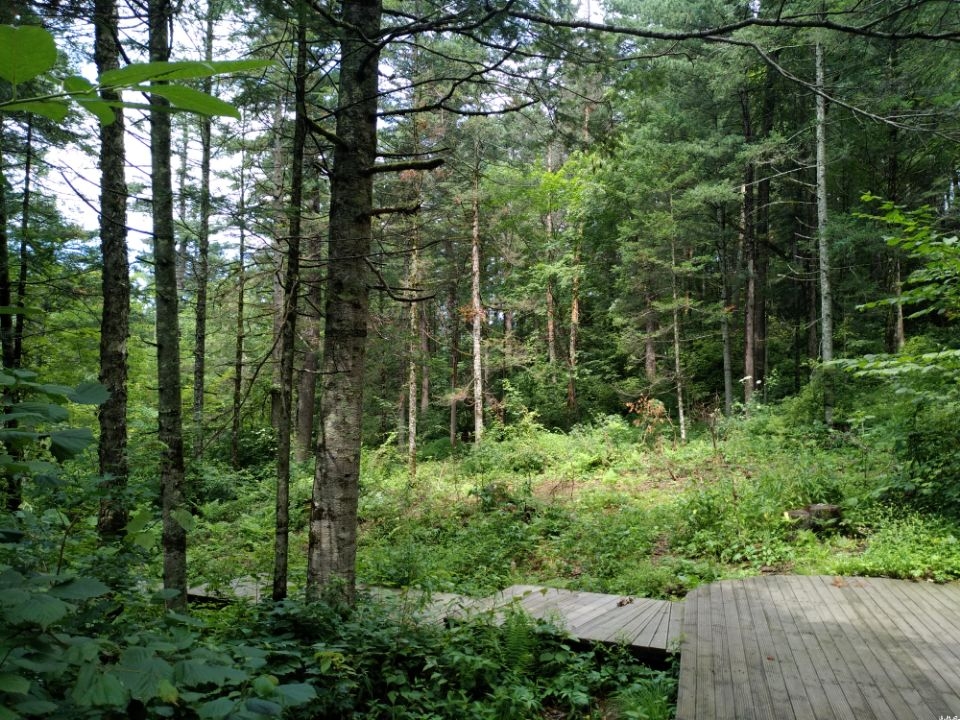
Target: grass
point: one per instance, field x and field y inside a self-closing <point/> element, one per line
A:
<point x="600" y="510"/>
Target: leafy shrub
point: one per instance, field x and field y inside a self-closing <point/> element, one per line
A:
<point x="911" y="546"/>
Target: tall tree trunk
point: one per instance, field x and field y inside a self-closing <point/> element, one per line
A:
<point x="168" y="331"/>
<point x="183" y="251"/>
<point x="574" y="330"/>
<point x="333" y="514"/>
<point x="307" y="390"/>
<point x="649" y="341"/>
<point x="202" y="269"/>
<point x="413" y="347"/>
<point x="454" y="315"/>
<point x="476" y="308"/>
<point x="288" y="333"/>
<point x="240" y="326"/>
<point x="726" y="298"/>
<point x="826" y="294"/>
<point x="750" y="299"/>
<point x="24" y="249"/>
<point x="6" y="319"/>
<point x="677" y="364"/>
<point x="115" y="318"/>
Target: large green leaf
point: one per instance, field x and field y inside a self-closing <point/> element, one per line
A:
<point x="99" y="689"/>
<point x="79" y="589"/>
<point x="186" y="98"/>
<point x="11" y="683"/>
<point x="50" y="412"/>
<point x="39" y="609"/>
<point x="141" y="671"/>
<point x="55" y="110"/>
<point x="25" y="52"/>
<point x="195" y="672"/>
<point x="65" y="444"/>
<point x="89" y="393"/>
<point x="216" y="709"/>
<point x="293" y="694"/>
<point x="186" y="70"/>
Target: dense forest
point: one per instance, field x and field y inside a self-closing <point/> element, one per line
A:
<point x="319" y="296"/>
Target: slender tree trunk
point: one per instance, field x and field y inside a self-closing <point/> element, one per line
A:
<point x="477" y="311"/>
<point x="202" y="269"/>
<point x="24" y="249"/>
<point x="183" y="251"/>
<point x="677" y="364"/>
<point x="168" y="331"/>
<point x="240" y="326"/>
<point x="307" y="391"/>
<point x="454" y="316"/>
<point x="115" y="318"/>
<point x="649" y="341"/>
<point x="6" y="319"/>
<point x="574" y="331"/>
<point x="749" y="236"/>
<point x="826" y="294"/>
<point x="333" y="515"/>
<point x="288" y="333"/>
<point x="726" y="298"/>
<point x="425" y="360"/>
<point x="750" y="300"/>
<point x="413" y="346"/>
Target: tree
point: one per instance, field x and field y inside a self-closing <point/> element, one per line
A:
<point x="115" y="317"/>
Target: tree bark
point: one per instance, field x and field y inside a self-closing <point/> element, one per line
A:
<point x="823" y="248"/>
<point x="454" y="315"/>
<point x="333" y="514"/>
<point x="202" y="268"/>
<point x="476" y="308"/>
<point x="241" y="308"/>
<point x="6" y="320"/>
<point x="677" y="364"/>
<point x="574" y="331"/>
<point x="307" y="389"/>
<point x="288" y="331"/>
<point x="174" y="538"/>
<point x="115" y="283"/>
<point x="24" y="249"/>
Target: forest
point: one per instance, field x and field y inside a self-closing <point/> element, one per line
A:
<point x="301" y="299"/>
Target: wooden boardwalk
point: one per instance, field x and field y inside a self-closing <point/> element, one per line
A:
<point x="820" y="648"/>
<point x="639" y="622"/>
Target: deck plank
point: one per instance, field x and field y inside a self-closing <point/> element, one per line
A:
<point x="814" y="648"/>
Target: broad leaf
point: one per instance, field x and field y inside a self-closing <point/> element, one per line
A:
<point x="79" y="589"/>
<point x="141" y="672"/>
<point x="89" y="393"/>
<point x="15" y="684"/>
<point x="50" y="412"/>
<point x="65" y="444"/>
<point x="293" y="694"/>
<point x="55" y="110"/>
<point x="184" y="519"/>
<point x="142" y="72"/>
<point x="42" y="610"/>
<point x="25" y="52"/>
<point x="194" y="673"/>
<point x="186" y="98"/>
<point x="98" y="689"/>
<point x="264" y="707"/>
<point x="217" y="709"/>
<point x="100" y="109"/>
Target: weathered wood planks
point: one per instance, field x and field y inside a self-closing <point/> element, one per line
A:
<point x="815" y="648"/>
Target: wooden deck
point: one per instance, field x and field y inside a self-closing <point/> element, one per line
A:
<point x="820" y="648"/>
<point x="594" y="617"/>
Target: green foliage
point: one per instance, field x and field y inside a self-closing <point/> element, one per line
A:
<point x="909" y="545"/>
<point x="29" y="52"/>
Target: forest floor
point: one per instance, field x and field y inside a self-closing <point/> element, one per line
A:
<point x="601" y="510"/>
